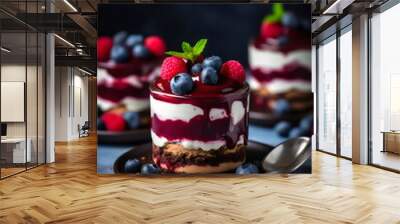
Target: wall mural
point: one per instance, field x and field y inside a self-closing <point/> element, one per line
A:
<point x="204" y="89"/>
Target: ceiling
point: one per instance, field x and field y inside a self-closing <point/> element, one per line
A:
<point x="75" y="21"/>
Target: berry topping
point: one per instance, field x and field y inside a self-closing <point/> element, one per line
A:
<point x="182" y="84"/>
<point x="132" y="166"/>
<point x="290" y="20"/>
<point x="283" y="128"/>
<point x="271" y="30"/>
<point x="132" y="119"/>
<point x="187" y="73"/>
<point x="104" y="45"/>
<point x="196" y="69"/>
<point x="213" y="61"/>
<point x="209" y="76"/>
<point x="155" y="44"/>
<point x="119" y="54"/>
<point x="139" y="51"/>
<point x="247" y="168"/>
<point x="233" y="70"/>
<point x="281" y="107"/>
<point x="172" y="66"/>
<point x="149" y="168"/>
<point x="133" y="40"/>
<point x="120" y="37"/>
<point x="113" y="122"/>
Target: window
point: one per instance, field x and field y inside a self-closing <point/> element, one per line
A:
<point x="327" y="96"/>
<point x="385" y="89"/>
<point x="346" y="92"/>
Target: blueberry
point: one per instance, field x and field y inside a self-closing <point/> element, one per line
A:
<point x="209" y="76"/>
<point x="213" y="61"/>
<point x="132" y="166"/>
<point x="100" y="125"/>
<point x="306" y="123"/>
<point x="247" y="168"/>
<point x="282" y="106"/>
<point x="283" y="128"/>
<point x="149" y="168"/>
<point x="140" y="51"/>
<point x="196" y="68"/>
<point x="119" y="54"/>
<point x="181" y="84"/>
<point x="132" y="119"/>
<point x="297" y="132"/>
<point x="133" y="40"/>
<point x="120" y="37"/>
<point x="283" y="40"/>
<point x="289" y="19"/>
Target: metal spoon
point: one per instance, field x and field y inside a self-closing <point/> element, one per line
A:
<point x="288" y="156"/>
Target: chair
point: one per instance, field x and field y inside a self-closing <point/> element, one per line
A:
<point x="84" y="129"/>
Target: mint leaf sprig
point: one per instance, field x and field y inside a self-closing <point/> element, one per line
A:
<point x="277" y="14"/>
<point x="189" y="52"/>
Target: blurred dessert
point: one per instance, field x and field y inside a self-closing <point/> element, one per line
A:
<point x="126" y="66"/>
<point x="199" y="113"/>
<point x="280" y="64"/>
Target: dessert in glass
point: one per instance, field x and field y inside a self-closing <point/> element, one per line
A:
<point x="126" y="66"/>
<point x="280" y="64"/>
<point x="199" y="113"/>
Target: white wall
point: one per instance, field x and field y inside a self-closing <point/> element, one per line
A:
<point x="71" y="94"/>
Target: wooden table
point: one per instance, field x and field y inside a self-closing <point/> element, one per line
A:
<point x="391" y="141"/>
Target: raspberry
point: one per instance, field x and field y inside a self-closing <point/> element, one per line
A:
<point x="113" y="122"/>
<point x="155" y="45"/>
<point x="172" y="66"/>
<point x="233" y="70"/>
<point x="104" y="45"/>
<point x="271" y="30"/>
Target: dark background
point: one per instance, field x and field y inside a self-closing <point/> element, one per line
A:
<point x="228" y="27"/>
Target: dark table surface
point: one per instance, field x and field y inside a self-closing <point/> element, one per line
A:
<point x="107" y="154"/>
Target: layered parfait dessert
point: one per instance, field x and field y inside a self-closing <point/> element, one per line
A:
<point x="199" y="112"/>
<point x="280" y="63"/>
<point x="126" y="66"/>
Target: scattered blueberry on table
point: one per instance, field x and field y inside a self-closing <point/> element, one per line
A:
<point x="247" y="168"/>
<point x="132" y="166"/>
<point x="149" y="168"/>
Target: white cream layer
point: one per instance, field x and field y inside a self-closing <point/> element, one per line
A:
<point x="217" y="113"/>
<point x="237" y="112"/>
<point x="281" y="85"/>
<point x="272" y="60"/>
<point x="108" y="80"/>
<point x="188" y="144"/>
<point x="131" y="104"/>
<point x="193" y="144"/>
<point x="171" y="111"/>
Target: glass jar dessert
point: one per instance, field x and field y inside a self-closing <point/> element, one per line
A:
<point x="199" y="115"/>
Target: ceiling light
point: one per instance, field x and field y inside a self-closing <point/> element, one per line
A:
<point x="70" y="5"/>
<point x="337" y="7"/>
<point x="5" y="49"/>
<point x="64" y="40"/>
<point x="84" y="71"/>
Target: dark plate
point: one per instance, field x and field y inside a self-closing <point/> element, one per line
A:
<point x="255" y="152"/>
<point x="126" y="137"/>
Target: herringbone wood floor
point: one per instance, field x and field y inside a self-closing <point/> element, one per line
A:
<point x="70" y="191"/>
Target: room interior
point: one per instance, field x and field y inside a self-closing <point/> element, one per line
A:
<point x="48" y="73"/>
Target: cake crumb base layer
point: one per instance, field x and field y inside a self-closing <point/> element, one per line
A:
<point x="174" y="158"/>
